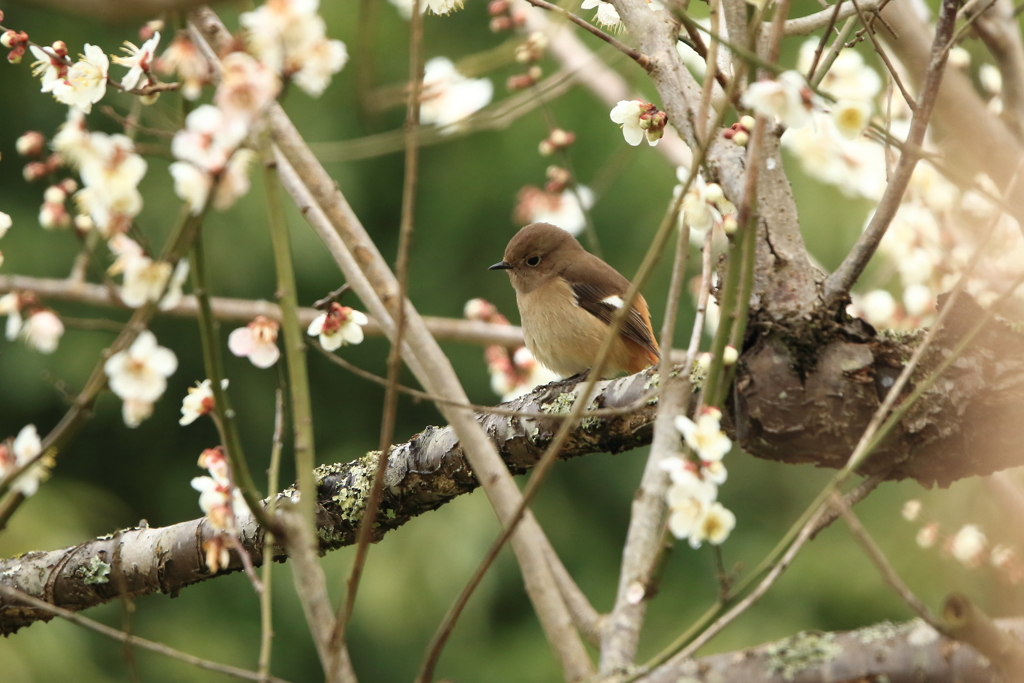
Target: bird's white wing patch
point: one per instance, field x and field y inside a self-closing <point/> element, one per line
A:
<point x="613" y="300"/>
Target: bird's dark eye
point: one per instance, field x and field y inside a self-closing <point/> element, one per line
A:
<point x="533" y="260"/>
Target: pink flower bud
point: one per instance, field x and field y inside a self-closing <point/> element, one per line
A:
<point x="35" y="170"/>
<point x="30" y="144"/>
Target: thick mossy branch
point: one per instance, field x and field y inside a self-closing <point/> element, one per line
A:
<point x="898" y="653"/>
<point x="802" y="395"/>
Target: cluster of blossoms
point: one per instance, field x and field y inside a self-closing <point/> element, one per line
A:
<point x="37" y="326"/>
<point x="223" y="505"/>
<point x="968" y="545"/>
<point x="290" y="38"/>
<point x="639" y="119"/>
<point x="938" y="225"/>
<point x="529" y="53"/>
<point x="832" y="149"/>
<point x="704" y="206"/>
<point x="515" y="373"/>
<point x="694" y="511"/>
<point x="17" y="454"/>
<point x="337" y="326"/>
<point x="138" y="376"/>
<point x="503" y="16"/>
<point x="448" y="97"/>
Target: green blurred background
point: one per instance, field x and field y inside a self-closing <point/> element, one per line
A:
<point x="113" y="476"/>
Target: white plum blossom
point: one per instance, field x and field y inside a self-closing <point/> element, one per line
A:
<point x="787" y="99"/>
<point x="26" y="446"/>
<point x="10" y="306"/>
<point x="144" y="279"/>
<point x="234" y="181"/>
<point x="918" y="300"/>
<point x="851" y="117"/>
<point x="191" y="185"/>
<point x="714" y="471"/>
<point x="174" y="288"/>
<point x="183" y="58"/>
<point x="856" y="167"/>
<point x="320" y="62"/>
<point x="86" y="80"/>
<point x="42" y="330"/>
<point x="111" y="172"/>
<point x="969" y="545"/>
<point x="911" y="510"/>
<point x="927" y="535"/>
<point x="849" y="78"/>
<point x="209" y="151"/>
<point x="139" y="61"/>
<point x="448" y="97"/>
<point x="878" y="307"/>
<point x="246" y="87"/>
<point x="209" y="138"/>
<point x="628" y="113"/>
<point x="563" y="209"/>
<point x="443" y="7"/>
<point x="716" y="526"/>
<point x="73" y="142"/>
<point x="199" y="401"/>
<point x="138" y="375"/>
<point x="291" y="38"/>
<point x="606" y="15"/>
<point x="705" y="436"/>
<point x="49" y="69"/>
<point x="704" y="206"/>
<point x="5" y="223"/>
<point x="337" y="326"/>
<point x="257" y="341"/>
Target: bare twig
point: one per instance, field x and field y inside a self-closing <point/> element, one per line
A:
<point x="640" y="58"/>
<point x="19" y="596"/>
<point x="646" y="524"/>
<point x="244" y="310"/>
<point x="311" y="587"/>
<point x="882" y="564"/>
<point x="387" y="427"/>
<point x="266" y="605"/>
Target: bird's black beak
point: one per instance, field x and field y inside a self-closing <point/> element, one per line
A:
<point x="501" y="265"/>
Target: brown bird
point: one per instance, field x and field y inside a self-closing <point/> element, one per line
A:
<point x="567" y="298"/>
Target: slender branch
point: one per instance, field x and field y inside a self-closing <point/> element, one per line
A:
<point x="294" y="344"/>
<point x="227" y="426"/>
<point x="394" y="363"/>
<point x="244" y="310"/>
<point x="311" y="587"/>
<point x="838" y="285"/>
<point x="266" y="603"/>
<point x="911" y="102"/>
<point x="805" y="26"/>
<point x="18" y="596"/>
<point x="882" y="564"/>
<point x="640" y="58"/>
<point x="646" y="523"/>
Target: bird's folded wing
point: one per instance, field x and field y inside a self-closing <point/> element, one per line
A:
<point x="604" y="304"/>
